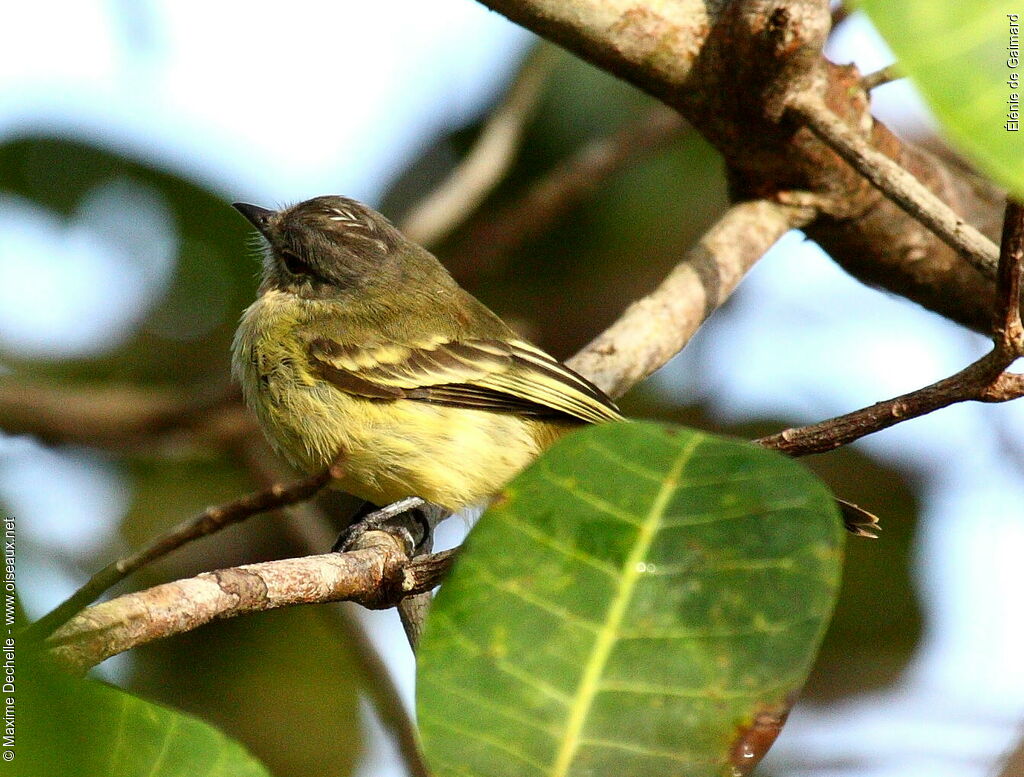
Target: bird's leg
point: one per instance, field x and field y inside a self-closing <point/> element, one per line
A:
<point x="411" y="519"/>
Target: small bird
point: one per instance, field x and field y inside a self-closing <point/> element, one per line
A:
<point x="360" y="344"/>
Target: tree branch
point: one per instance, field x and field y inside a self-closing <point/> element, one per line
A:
<point x="886" y="75"/>
<point x="896" y="183"/>
<point x="488" y="160"/>
<point x="697" y="57"/>
<point x="1012" y="764"/>
<point x="977" y="382"/>
<point x="211" y="520"/>
<point x="120" y="417"/>
<point x="655" y="328"/>
<point x="984" y="381"/>
<point x="377" y="574"/>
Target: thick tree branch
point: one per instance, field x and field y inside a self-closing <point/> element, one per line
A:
<point x="729" y="68"/>
<point x="377" y="574"/>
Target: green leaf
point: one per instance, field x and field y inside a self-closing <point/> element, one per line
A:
<point x="642" y="600"/>
<point x="956" y="52"/>
<point x="89" y="729"/>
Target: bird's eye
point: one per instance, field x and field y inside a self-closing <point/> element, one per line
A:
<point x="296" y="264"/>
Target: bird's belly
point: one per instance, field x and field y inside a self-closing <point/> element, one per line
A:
<point x="452" y="457"/>
<point x="449" y="456"/>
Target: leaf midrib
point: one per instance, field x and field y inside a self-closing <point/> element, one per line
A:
<point x="609" y="631"/>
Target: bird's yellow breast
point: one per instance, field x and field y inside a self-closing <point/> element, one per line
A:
<point x="392" y="449"/>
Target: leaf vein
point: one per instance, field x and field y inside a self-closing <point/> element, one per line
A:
<point x="503" y="666"/>
<point x="484" y="738"/>
<point x="595" y="501"/>
<point x="626" y="464"/>
<point x="606" y="638"/>
<point x="630" y="747"/>
<point x="549" y="542"/>
<point x="503" y="710"/>
<point x="539" y="602"/>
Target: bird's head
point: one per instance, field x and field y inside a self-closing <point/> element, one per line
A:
<point x="327" y="246"/>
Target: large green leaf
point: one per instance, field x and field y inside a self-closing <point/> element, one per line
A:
<point x="82" y="727"/>
<point x="957" y="53"/>
<point x="642" y="600"/>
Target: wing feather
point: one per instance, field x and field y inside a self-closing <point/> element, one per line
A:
<point x="510" y="377"/>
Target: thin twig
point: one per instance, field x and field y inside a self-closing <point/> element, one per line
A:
<point x="413" y="612"/>
<point x="896" y="183"/>
<point x="886" y="75"/>
<point x="967" y="384"/>
<point x="378" y="684"/>
<point x="489" y="158"/>
<point x="840" y="14"/>
<point x="1008" y="333"/>
<point x="984" y="381"/>
<point x="574" y="178"/>
<point x="211" y="520"/>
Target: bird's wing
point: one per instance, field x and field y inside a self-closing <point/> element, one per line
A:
<point x="504" y="376"/>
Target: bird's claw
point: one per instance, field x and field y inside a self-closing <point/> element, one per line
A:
<point x="392" y="519"/>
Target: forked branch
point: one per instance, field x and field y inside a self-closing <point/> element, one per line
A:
<point x="211" y="520"/>
<point x="986" y="380"/>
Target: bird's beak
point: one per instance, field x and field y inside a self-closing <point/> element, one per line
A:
<point x="257" y="216"/>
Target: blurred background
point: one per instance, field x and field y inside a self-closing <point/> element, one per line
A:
<point x="128" y="127"/>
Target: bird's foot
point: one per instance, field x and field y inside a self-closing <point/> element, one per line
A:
<point x="407" y="519"/>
